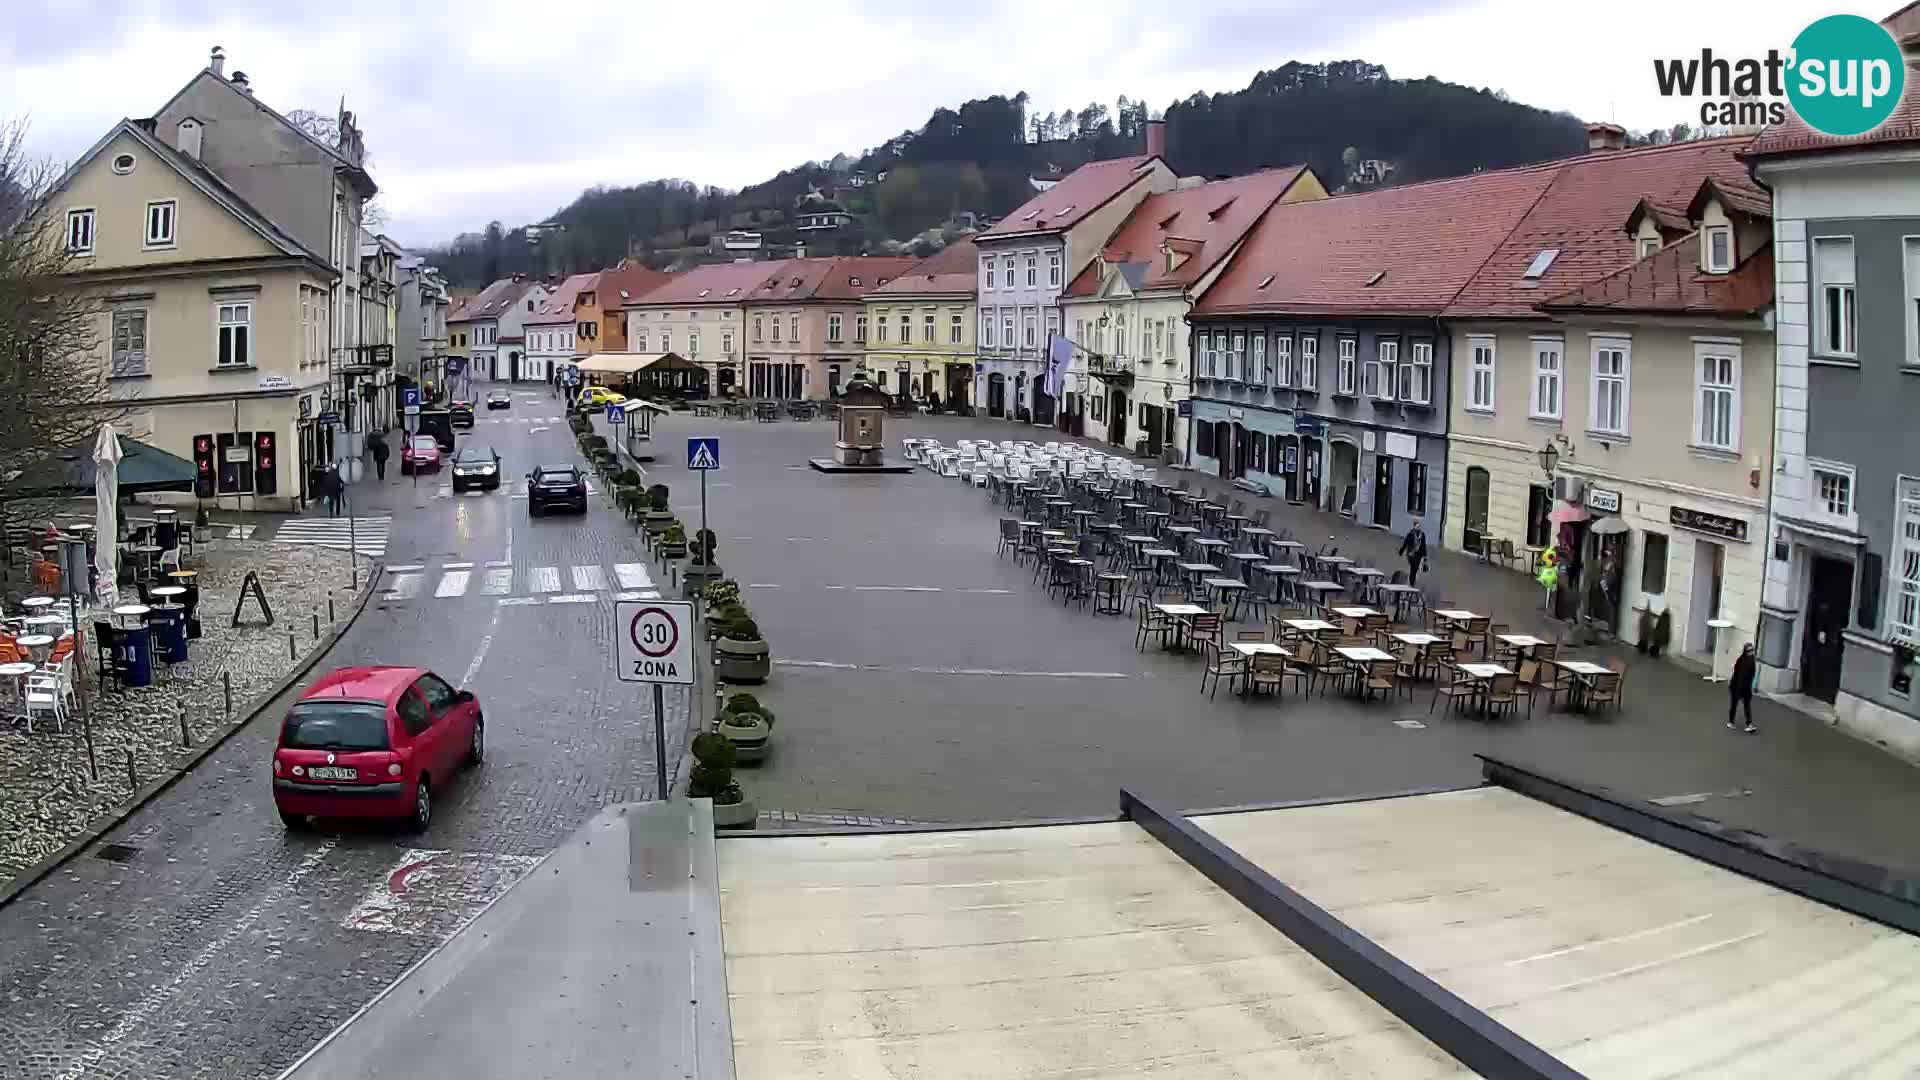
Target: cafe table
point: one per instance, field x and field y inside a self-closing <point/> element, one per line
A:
<point x="36" y="604"/>
<point x="1482" y="674"/>
<point x="1246" y="560"/>
<point x="1398" y="595"/>
<point x="1455" y="615"/>
<point x="1583" y="671"/>
<point x="1195" y="570"/>
<point x="1354" y="612"/>
<point x="167" y="592"/>
<point x="130" y="614"/>
<point x="1417" y="639"/>
<point x="1180" y="613"/>
<point x="1250" y="649"/>
<point x="17" y="672"/>
<point x="1230" y="590"/>
<point x="1520" y="643"/>
<point x="1308" y="626"/>
<point x="38" y="645"/>
<point x="1320" y="589"/>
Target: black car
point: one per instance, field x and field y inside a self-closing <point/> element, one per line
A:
<point x="499" y="399"/>
<point x="476" y="467"/>
<point x="550" y="486"/>
<point x="460" y="413"/>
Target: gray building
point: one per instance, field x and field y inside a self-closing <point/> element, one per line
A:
<point x="1841" y="614"/>
<point x="1320" y="366"/>
<point x="420" y="344"/>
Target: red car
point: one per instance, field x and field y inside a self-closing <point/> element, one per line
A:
<point x="419" y="453"/>
<point x="374" y="742"/>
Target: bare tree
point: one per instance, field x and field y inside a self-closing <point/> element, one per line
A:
<point x="54" y="390"/>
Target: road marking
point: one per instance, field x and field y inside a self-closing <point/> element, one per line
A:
<point x="519" y="601"/>
<point x="1612" y="940"/>
<point x="987" y="592"/>
<point x="762" y="585"/>
<point x="996" y="672"/>
<point x="1682" y="800"/>
<point x="456" y="566"/>
<point x="405" y="569"/>
<point x="435" y="893"/>
<point x="452" y="583"/>
<point x="508" y="561"/>
<point x="538" y="430"/>
<point x="571" y="598"/>
<point x="405" y="587"/>
<point x="479" y="654"/>
<point x="893" y="588"/>
<point x="498" y="582"/>
<point x="546" y="579"/>
<point x="1410" y="725"/>
<point x="643" y="594"/>
<point x="633" y="575"/>
<point x="589" y="579"/>
<point x="136" y="1016"/>
<point x="495" y="564"/>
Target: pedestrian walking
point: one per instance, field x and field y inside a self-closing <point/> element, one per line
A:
<point x="1740" y="687"/>
<point x="378" y="446"/>
<point x="1414" y="550"/>
<point x="332" y="486"/>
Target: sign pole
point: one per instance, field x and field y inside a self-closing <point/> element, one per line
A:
<point x="706" y="554"/>
<point x="660" y="741"/>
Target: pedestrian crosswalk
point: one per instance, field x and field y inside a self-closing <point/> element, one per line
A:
<point x="520" y="420"/>
<point x="366" y="535"/>
<point x="513" y="489"/>
<point x="581" y="583"/>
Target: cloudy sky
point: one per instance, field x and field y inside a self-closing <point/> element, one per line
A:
<point x="505" y="110"/>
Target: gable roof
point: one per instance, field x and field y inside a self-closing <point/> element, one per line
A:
<point x="1580" y="213"/>
<point x="625" y="283"/>
<point x="1793" y="136"/>
<point x="1423" y="241"/>
<point x="1670" y="282"/>
<point x="843" y="277"/>
<point x="1078" y="194"/>
<point x="358" y="171"/>
<point x="557" y="309"/>
<point x="948" y="271"/>
<point x="206" y="180"/>
<point x="1204" y="222"/>
<point x="493" y="301"/>
<point x="710" y="283"/>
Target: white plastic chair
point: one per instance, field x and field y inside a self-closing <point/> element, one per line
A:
<point x="43" y="695"/>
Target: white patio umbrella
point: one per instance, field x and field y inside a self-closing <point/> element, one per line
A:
<point x="106" y="526"/>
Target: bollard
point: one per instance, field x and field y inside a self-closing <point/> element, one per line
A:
<point x="316" y="626"/>
<point x="331" y="618"/>
<point x="133" y="777"/>
<point x="226" y="688"/>
<point x="186" y="734"/>
<point x="293" y="653"/>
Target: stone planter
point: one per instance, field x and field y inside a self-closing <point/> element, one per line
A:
<point x="673" y="551"/>
<point x="740" y="815"/>
<point x="750" y="734"/>
<point x="696" y="578"/>
<point x="741" y="661"/>
<point x="656" y="521"/>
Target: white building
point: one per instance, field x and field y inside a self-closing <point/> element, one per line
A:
<point x="552" y="331"/>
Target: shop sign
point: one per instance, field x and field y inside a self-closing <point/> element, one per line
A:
<point x="275" y="382"/>
<point x="1605" y="500"/>
<point x="1310" y="425"/>
<point x="1183" y="407"/>
<point x="1700" y="521"/>
<point x="1401" y="445"/>
<point x="1236" y="414"/>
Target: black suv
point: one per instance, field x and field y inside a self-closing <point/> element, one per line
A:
<point x="476" y="467"/>
<point x="460" y="413"/>
<point x="499" y="399"/>
<point x="550" y="486"/>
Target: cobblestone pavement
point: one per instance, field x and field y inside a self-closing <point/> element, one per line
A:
<point x="49" y="791"/>
<point x="222" y="946"/>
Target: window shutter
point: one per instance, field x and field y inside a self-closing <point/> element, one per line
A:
<point x="1869" y="614"/>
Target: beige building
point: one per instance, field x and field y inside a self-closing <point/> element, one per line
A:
<point x="918" y="328"/>
<point x="697" y="314"/>
<point x="803" y="321"/>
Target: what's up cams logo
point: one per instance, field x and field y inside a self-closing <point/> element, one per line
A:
<point x="1844" y="76"/>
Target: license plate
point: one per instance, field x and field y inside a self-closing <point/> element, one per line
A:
<point x="332" y="772"/>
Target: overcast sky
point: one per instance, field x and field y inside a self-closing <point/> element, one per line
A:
<point x="505" y="111"/>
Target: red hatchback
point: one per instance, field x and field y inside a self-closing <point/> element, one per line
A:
<point x="374" y="742"/>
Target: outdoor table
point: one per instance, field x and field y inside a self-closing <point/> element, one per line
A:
<point x="43" y="623"/>
<point x="39" y="645"/>
<point x="1582" y="670"/>
<point x="1398" y="595"/>
<point x="1054" y="534"/>
<point x="1485" y="671"/>
<point x="167" y="592"/>
<point x="1417" y="639"/>
<point x="1323" y="588"/>
<point x="130" y="615"/>
<point x="169" y="627"/>
<point x="36" y="603"/>
<point x="1308" y="627"/>
<point x="1232" y="588"/>
<point x="1251" y="649"/>
<point x="1108" y="597"/>
<point x="1520" y="643"/>
<point x="1333" y="560"/>
<point x="1247" y="561"/>
<point x="164" y="514"/>
<point x="1361" y="655"/>
<point x="16" y="672"/>
<point x="1208" y="542"/>
<point x="1278" y="573"/>
<point x="1455" y="615"/>
<point x="1195" y="570"/>
<point x="1354" y="612"/>
<point x="147" y="553"/>
<point x="1180" y="613"/>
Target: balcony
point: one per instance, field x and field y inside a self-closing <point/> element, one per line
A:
<point x="1115" y="370"/>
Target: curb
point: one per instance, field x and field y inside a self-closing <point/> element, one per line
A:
<point x="106" y="822"/>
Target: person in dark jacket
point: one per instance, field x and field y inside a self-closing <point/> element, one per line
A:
<point x="1740" y="687"/>
<point x="1414" y="550"/>
<point x="377" y="445"/>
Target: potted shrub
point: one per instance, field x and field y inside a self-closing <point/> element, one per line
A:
<point x="701" y="568"/>
<point x="721" y="614"/>
<point x="721" y="593"/>
<point x="673" y="541"/>
<point x="658" y="516"/>
<point x="749" y="726"/>
<point x="712" y="778"/>
<point x="740" y="655"/>
<point x="628" y="497"/>
<point x="202" y="526"/>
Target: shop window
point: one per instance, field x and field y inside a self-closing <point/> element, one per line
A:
<point x="1539" y="506"/>
<point x="1203" y="440"/>
<point x="1417" y="488"/>
<point x="1653" y="565"/>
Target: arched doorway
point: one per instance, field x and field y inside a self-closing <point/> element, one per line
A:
<point x="1479" y="482"/>
<point x="1343" y="480"/>
<point x="513" y="366"/>
<point x="997" y="395"/>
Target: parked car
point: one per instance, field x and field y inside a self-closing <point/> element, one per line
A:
<point x="460" y="413"/>
<point x="499" y="399"/>
<point x="419" y="453"/>
<point x="374" y="742"/>
<point x="476" y="467"/>
<point x="439" y="424"/>
<point x="550" y="486"/>
<point x="595" y="398"/>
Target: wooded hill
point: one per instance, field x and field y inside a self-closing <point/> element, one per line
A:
<point x="1337" y="117"/>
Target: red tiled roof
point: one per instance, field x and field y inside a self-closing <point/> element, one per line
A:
<point x="952" y="269"/>
<point x="1793" y="136"/>
<point x="1670" y="282"/>
<point x="845" y="277"/>
<point x="558" y="308"/>
<point x="1580" y="216"/>
<point x="1205" y="221"/>
<point x="634" y="280"/>
<point x="1426" y="240"/>
<point x="1078" y="194"/>
<point x="494" y="301"/>
<point x="713" y="283"/>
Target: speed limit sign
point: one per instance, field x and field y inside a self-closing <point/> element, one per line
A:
<point x="653" y="641"/>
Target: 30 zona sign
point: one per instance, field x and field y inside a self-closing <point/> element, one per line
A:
<point x="653" y="641"/>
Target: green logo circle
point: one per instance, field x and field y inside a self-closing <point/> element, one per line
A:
<point x="1847" y="75"/>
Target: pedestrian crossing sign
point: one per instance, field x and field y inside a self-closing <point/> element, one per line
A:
<point x="703" y="452"/>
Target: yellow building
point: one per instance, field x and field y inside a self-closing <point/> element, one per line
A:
<point x="918" y="328"/>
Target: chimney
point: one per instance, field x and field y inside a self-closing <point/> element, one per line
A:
<point x="187" y="138"/>
<point x="1604" y="136"/>
<point x="240" y="83"/>
<point x="218" y="65"/>
<point x="1156" y="138"/>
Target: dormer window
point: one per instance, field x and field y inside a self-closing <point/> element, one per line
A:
<point x="1214" y="214"/>
<point x="853" y="281"/>
<point x="704" y="292"/>
<point x="1649" y="245"/>
<point x="1264" y="282"/>
<point x="1717" y="249"/>
<point x="1064" y="211"/>
<point x="1537" y="269"/>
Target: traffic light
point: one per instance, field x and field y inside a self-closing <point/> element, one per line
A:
<point x="265" y="471"/>
<point x="203" y="466"/>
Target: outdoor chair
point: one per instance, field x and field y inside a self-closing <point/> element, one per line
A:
<point x="43" y="695"/>
<point x="1438" y="655"/>
<point x="106" y="654"/>
<point x="1268" y="669"/>
<point x="1545" y="651"/>
<point x="1406" y="664"/>
<point x="1261" y="517"/>
<point x="1502" y="694"/>
<point x="1491" y="642"/>
<point x="1328" y="665"/>
<point x="1009" y="538"/>
<point x="1206" y="627"/>
<point x="1151" y="622"/>
<point x="1605" y="690"/>
<point x="1378" y="675"/>
<point x="1453" y="686"/>
<point x="1552" y="680"/>
<point x="1222" y="663"/>
<point x="1527" y="683"/>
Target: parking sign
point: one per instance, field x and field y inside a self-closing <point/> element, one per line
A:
<point x="653" y="641"/>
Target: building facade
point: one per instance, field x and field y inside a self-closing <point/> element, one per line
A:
<point x="803" y="323"/>
<point x="554" y="330"/>
<point x="918" y="328"/>
<point x="420" y="347"/>
<point x="1842" y="605"/>
<point x="1026" y="261"/>
<point x="493" y="326"/>
<point x="1126" y="311"/>
<point x="697" y="314"/>
<point x="375" y="350"/>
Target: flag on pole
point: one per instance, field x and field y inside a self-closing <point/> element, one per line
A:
<point x="1059" y="356"/>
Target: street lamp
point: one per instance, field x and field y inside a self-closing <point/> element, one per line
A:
<point x="1549" y="457"/>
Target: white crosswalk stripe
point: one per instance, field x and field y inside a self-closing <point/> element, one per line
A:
<point x="633" y="575"/>
<point x="366" y="535"/>
<point x="546" y="579"/>
<point x="402" y="586"/>
<point x="588" y="579"/>
<point x="453" y="583"/>
<point x="579" y="583"/>
<point x="499" y="582"/>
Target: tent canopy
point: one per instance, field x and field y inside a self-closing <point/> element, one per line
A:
<point x="627" y="363"/>
<point x="70" y="472"/>
<point x="638" y="404"/>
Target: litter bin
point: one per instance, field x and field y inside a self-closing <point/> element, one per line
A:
<point x="169" y="625"/>
<point x="138" y="642"/>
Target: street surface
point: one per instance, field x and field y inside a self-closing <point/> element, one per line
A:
<point x="214" y="943"/>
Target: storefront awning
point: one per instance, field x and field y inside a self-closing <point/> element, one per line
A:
<point x="624" y="363"/>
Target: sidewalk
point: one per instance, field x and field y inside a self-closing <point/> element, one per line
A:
<point x="1798" y="780"/>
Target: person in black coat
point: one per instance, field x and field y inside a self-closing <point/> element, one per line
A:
<point x="1414" y="550"/>
<point x="377" y="445"/>
<point x="1740" y="687"/>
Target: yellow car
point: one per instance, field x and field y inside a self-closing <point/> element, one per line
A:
<point x="595" y="398"/>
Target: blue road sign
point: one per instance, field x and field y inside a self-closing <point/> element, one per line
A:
<point x="703" y="452"/>
<point x="410" y="395"/>
<point x="456" y="365"/>
<point x="616" y="415"/>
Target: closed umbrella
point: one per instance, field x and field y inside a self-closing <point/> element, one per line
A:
<point x="1567" y="512"/>
<point x="106" y="526"/>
